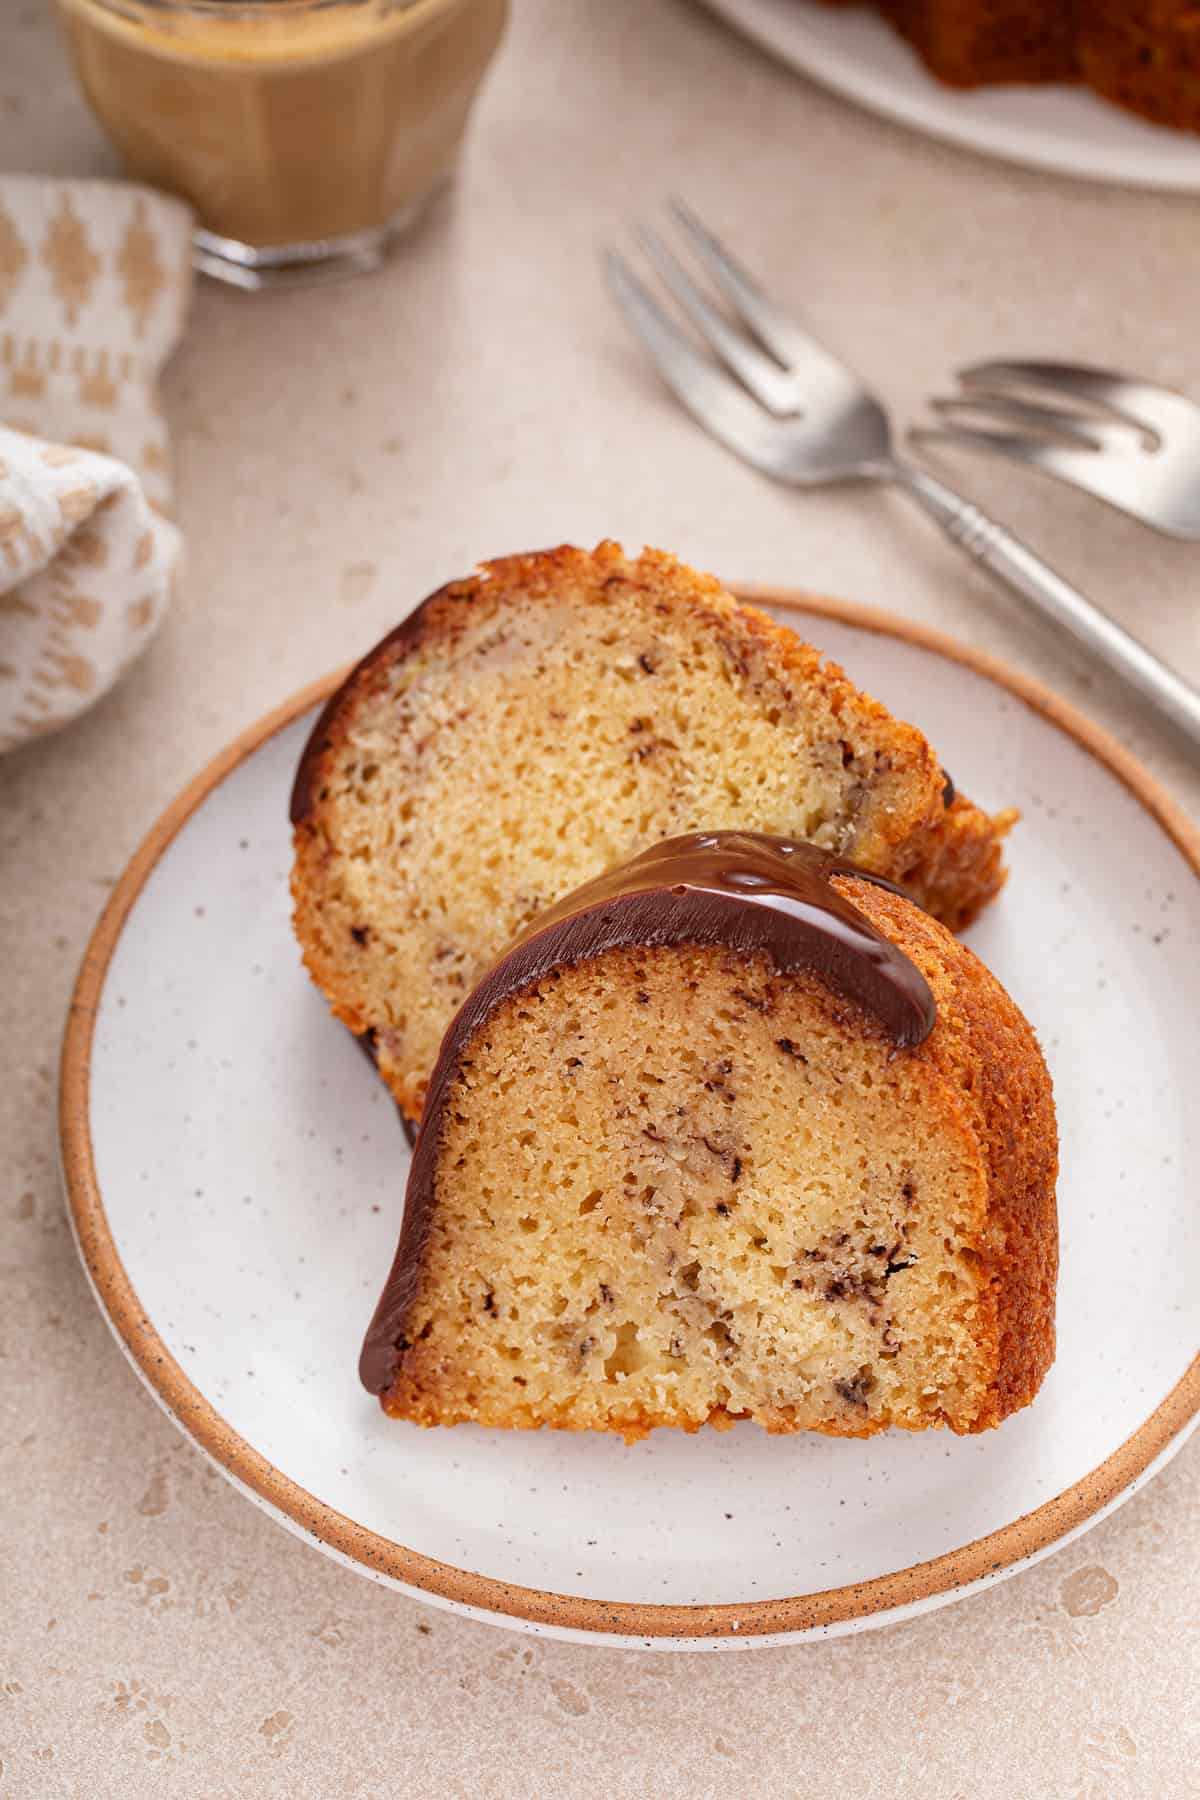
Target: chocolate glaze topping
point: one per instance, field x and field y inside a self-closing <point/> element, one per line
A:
<point x="742" y="890"/>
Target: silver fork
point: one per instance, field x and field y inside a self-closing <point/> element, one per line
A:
<point x="1130" y="443"/>
<point x="798" y="415"/>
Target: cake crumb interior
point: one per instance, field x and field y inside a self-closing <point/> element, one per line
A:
<point x="673" y="1187"/>
<point x="671" y="729"/>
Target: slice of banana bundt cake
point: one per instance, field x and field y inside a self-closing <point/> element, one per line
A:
<point x="549" y="717"/>
<point x="733" y="1132"/>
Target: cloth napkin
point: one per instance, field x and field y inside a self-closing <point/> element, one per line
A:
<point x="95" y="278"/>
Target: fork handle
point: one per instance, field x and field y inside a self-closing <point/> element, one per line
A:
<point x="1013" y="563"/>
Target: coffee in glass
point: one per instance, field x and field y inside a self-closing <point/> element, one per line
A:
<point x="304" y="132"/>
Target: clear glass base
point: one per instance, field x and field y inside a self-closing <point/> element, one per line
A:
<point x="305" y="265"/>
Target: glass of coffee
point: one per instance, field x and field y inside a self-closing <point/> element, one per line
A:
<point x="306" y="133"/>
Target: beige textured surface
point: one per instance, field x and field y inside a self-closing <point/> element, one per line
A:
<point x="341" y="452"/>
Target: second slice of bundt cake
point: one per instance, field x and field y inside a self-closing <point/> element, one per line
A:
<point x="552" y="715"/>
<point x="731" y="1133"/>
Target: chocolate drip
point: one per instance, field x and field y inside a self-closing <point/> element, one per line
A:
<point x="742" y="890"/>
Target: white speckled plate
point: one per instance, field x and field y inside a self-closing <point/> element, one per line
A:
<point x="236" y="1174"/>
<point x="1058" y="127"/>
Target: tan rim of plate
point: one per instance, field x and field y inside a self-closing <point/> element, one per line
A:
<point x="1023" y="1537"/>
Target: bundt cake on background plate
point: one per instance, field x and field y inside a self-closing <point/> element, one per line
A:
<point x="1142" y="54"/>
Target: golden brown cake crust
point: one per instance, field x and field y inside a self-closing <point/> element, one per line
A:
<point x="949" y="856"/>
<point x="985" y="1045"/>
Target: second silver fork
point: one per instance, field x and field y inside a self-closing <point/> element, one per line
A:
<point x="1131" y="444"/>
<point x="793" y="411"/>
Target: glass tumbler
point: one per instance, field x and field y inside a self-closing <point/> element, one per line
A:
<point x="306" y="133"/>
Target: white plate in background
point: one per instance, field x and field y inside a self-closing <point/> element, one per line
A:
<point x="1058" y="126"/>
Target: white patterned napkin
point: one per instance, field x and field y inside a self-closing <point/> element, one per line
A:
<point x="94" y="283"/>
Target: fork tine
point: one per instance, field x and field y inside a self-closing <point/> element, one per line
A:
<point x="1137" y="402"/>
<point x="756" y="371"/>
<point x="812" y="366"/>
<point x="1082" y="468"/>
<point x="1173" y="510"/>
<point x="980" y="437"/>
<point x="737" y="284"/>
<point x="1086" y="433"/>
<point x="1104" y="476"/>
<point x="711" y="397"/>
